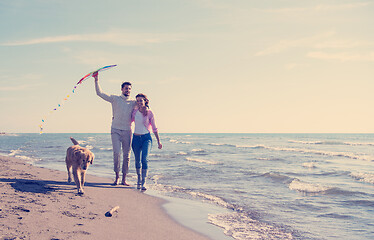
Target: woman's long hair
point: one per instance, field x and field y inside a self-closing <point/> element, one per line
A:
<point x="146" y="101"/>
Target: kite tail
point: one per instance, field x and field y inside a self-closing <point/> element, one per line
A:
<point x="41" y="126"/>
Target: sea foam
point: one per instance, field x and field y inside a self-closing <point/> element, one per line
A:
<point x="181" y="153"/>
<point x="305" y="187"/>
<point x="222" y="144"/>
<point x="201" y="160"/>
<point x="240" y="226"/>
<point x="179" y="142"/>
<point x="363" y="177"/>
<point x="309" y="165"/>
<point x="312" y="151"/>
<point x="13" y="153"/>
<point x="333" y="143"/>
<point x="204" y="196"/>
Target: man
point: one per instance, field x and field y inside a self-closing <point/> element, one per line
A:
<point x="122" y="107"/>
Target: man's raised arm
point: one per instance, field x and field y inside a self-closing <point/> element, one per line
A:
<point x="99" y="92"/>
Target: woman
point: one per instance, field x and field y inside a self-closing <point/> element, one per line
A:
<point x="142" y="141"/>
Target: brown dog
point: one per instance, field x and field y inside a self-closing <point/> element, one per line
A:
<point x="78" y="158"/>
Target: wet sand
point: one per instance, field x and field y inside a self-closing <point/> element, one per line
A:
<point x="38" y="203"/>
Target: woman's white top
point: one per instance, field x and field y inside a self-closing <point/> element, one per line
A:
<point x="139" y="124"/>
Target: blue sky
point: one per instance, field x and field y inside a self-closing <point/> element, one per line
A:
<point x="207" y="66"/>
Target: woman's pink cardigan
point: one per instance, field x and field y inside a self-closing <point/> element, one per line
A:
<point x="148" y="121"/>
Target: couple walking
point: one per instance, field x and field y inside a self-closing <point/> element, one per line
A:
<point x="125" y="111"/>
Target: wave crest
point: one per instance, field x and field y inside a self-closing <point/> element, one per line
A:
<point x="333" y="143"/>
<point x="201" y="160"/>
<point x="363" y="177"/>
<point x="179" y="142"/>
<point x="240" y="226"/>
<point x="309" y="165"/>
<point x="305" y="187"/>
<point x="312" y="151"/>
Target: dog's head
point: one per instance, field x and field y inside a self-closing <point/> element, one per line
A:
<point x="85" y="157"/>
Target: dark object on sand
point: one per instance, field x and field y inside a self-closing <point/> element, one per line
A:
<point x="110" y="213"/>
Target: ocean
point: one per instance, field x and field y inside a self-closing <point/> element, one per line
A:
<point x="273" y="186"/>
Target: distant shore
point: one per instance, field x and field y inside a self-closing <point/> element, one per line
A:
<point x="37" y="203"/>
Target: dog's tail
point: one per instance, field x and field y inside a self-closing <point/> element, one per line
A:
<point x="74" y="141"/>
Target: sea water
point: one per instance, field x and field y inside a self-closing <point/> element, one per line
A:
<point x="274" y="186"/>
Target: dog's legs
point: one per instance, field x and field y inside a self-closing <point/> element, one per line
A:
<point x="69" y="174"/>
<point x="83" y="177"/>
<point x="77" y="179"/>
<point x="68" y="167"/>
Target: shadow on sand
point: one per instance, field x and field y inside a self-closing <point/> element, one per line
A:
<point x="44" y="187"/>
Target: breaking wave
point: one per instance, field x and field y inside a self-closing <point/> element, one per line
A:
<point x="18" y="153"/>
<point x="201" y="160"/>
<point x="13" y="153"/>
<point x="179" y="142"/>
<point x="312" y="151"/>
<point x="240" y="226"/>
<point x="222" y="144"/>
<point x="309" y="165"/>
<point x="363" y="177"/>
<point x="305" y="187"/>
<point x="333" y="143"/>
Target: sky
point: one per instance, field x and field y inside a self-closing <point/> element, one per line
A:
<point x="207" y="66"/>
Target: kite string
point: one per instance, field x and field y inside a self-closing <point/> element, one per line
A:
<point x="41" y="126"/>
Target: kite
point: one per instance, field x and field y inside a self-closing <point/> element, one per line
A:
<point x="41" y="126"/>
<point x="91" y="73"/>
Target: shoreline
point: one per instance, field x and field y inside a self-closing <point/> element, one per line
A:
<point x="37" y="202"/>
<point x="193" y="215"/>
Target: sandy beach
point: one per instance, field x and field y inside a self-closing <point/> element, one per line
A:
<point x="38" y="203"/>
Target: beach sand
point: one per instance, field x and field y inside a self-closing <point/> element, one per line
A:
<point x="38" y="203"/>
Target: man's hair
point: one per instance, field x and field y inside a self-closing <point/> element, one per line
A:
<point x="125" y="83"/>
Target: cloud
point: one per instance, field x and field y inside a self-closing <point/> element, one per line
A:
<point x="15" y="83"/>
<point x="16" y="88"/>
<point x="170" y="80"/>
<point x="100" y="58"/>
<point x="19" y="77"/>
<point x="6" y="99"/>
<point x="324" y="7"/>
<point x="301" y="42"/>
<point x="117" y="37"/>
<point x="335" y="44"/>
<point x="322" y="42"/>
<point x="95" y="58"/>
<point x="292" y="66"/>
<point x="343" y="57"/>
<point x="317" y="8"/>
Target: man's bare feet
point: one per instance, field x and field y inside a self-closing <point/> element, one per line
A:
<point x="116" y="182"/>
<point x="124" y="180"/>
<point x="124" y="183"/>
